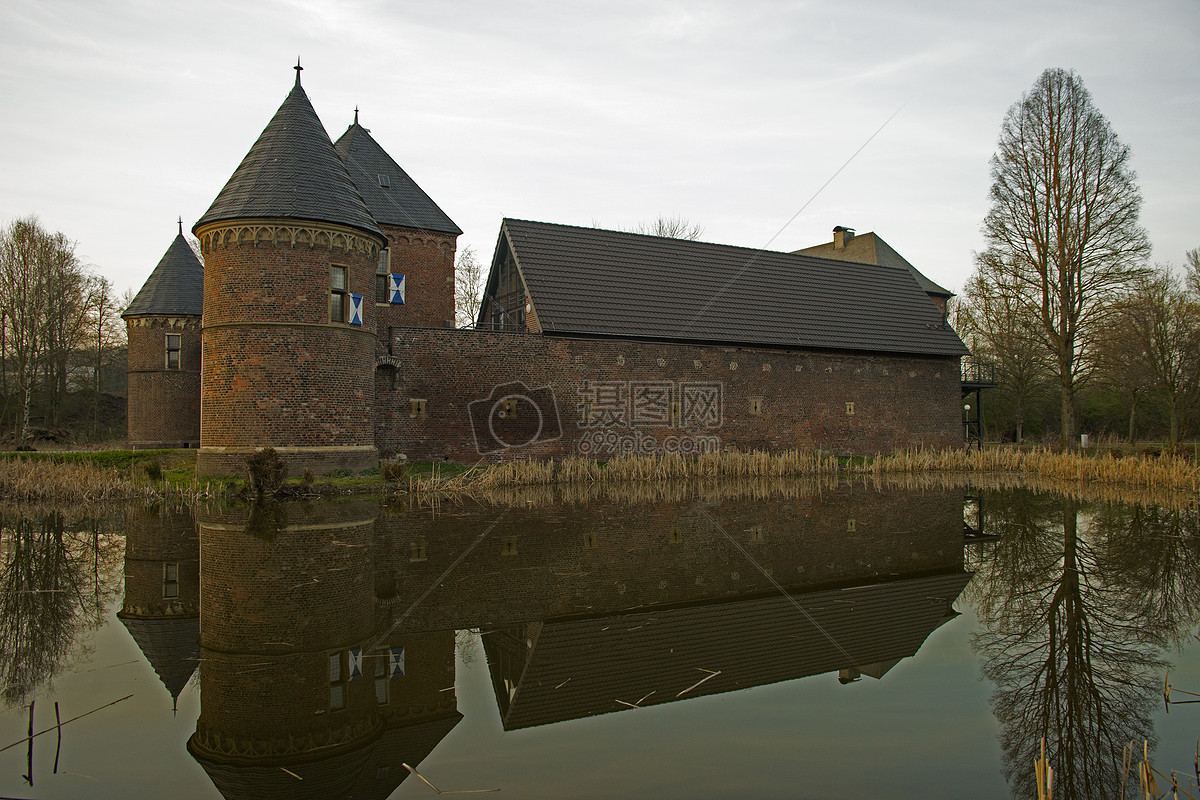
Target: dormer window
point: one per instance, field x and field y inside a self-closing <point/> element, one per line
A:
<point x="385" y="182"/>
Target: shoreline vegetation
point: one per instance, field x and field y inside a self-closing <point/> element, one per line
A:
<point x="123" y="475"/>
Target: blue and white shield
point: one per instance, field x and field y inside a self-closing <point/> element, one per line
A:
<point x="356" y="311"/>
<point x="396" y="288"/>
<point x="356" y="663"/>
<point x="396" y="662"/>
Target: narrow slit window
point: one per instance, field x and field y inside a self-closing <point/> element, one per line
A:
<point x="381" y="276"/>
<point x="173" y="348"/>
<point x="337" y="294"/>
<point x="170" y="580"/>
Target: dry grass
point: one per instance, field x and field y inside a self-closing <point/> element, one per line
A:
<point x="84" y="482"/>
<point x="1165" y="480"/>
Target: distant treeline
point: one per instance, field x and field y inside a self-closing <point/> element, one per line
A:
<point x="62" y="342"/>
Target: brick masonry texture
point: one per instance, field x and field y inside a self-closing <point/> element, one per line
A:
<point x="164" y="404"/>
<point x="154" y="537"/>
<point x="896" y="401"/>
<point x="426" y="259"/>
<point x="282" y="591"/>
<point x="607" y="556"/>
<point x="276" y="371"/>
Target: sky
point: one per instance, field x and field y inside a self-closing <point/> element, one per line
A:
<point x="767" y="123"/>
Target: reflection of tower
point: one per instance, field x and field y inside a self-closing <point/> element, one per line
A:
<point x="162" y="591"/>
<point x="296" y="680"/>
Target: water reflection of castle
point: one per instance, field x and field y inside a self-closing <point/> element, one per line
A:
<point x="326" y="632"/>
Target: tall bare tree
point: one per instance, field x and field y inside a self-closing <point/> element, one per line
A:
<point x="1063" y="222"/>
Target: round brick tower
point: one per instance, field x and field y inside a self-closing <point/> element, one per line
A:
<point x="163" y="327"/>
<point x="290" y="251"/>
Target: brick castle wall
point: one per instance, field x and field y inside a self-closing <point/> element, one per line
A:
<point x="276" y="371"/>
<point x="426" y="259"/>
<point x="581" y="397"/>
<point x="164" y="404"/>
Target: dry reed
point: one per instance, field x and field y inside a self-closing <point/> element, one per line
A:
<point x="1165" y="480"/>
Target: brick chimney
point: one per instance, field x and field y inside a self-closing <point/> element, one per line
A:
<point x="842" y="237"/>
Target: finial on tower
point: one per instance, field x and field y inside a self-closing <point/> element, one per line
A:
<point x="356" y="115"/>
<point x="298" y="68"/>
<point x="181" y="225"/>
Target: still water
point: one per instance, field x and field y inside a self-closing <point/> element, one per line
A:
<point x="795" y="642"/>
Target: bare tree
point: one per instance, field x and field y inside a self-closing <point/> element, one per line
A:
<point x="468" y="288"/>
<point x="670" y="227"/>
<point x="1157" y="327"/>
<point x="1064" y="217"/>
<point x="1193" y="273"/>
<point x="999" y="328"/>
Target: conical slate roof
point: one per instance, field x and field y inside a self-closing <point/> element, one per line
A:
<point x="176" y="286"/>
<point x="292" y="172"/>
<point x="401" y="201"/>
<point x="170" y="644"/>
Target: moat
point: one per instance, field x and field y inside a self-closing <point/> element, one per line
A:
<point x="778" y="641"/>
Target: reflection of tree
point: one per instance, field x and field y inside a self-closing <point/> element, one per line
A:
<point x="1153" y="556"/>
<point x="53" y="583"/>
<point x="1070" y="655"/>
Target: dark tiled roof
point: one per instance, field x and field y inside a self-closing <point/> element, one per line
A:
<point x="176" y="286"/>
<point x="292" y="172"/>
<point x="592" y="282"/>
<point x="583" y="667"/>
<point x="870" y="248"/>
<point x="171" y="645"/>
<point x="403" y="202"/>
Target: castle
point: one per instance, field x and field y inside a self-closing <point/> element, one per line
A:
<point x="321" y="324"/>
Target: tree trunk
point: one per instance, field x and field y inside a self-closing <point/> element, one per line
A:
<point x="1068" y="415"/>
<point x="1132" y="421"/>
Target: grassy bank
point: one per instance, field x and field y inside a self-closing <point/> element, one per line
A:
<point x="170" y="474"/>
<point x="1156" y="476"/>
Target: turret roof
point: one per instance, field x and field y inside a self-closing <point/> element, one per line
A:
<point x="292" y="172"/>
<point x="401" y="201"/>
<point x="176" y="286"/>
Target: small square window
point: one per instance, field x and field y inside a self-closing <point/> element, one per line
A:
<point x="850" y="409"/>
<point x="174" y="341"/>
<point x="756" y="404"/>
<point x="418" y="409"/>
<point x="385" y="182"/>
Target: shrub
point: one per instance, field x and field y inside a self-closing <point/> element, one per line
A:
<point x="267" y="471"/>
<point x="153" y="470"/>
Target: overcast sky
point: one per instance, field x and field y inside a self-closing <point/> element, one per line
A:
<point x="118" y="117"/>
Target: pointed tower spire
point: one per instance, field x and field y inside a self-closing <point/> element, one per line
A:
<point x="298" y="69"/>
<point x="356" y="115"/>
<point x="292" y="172"/>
